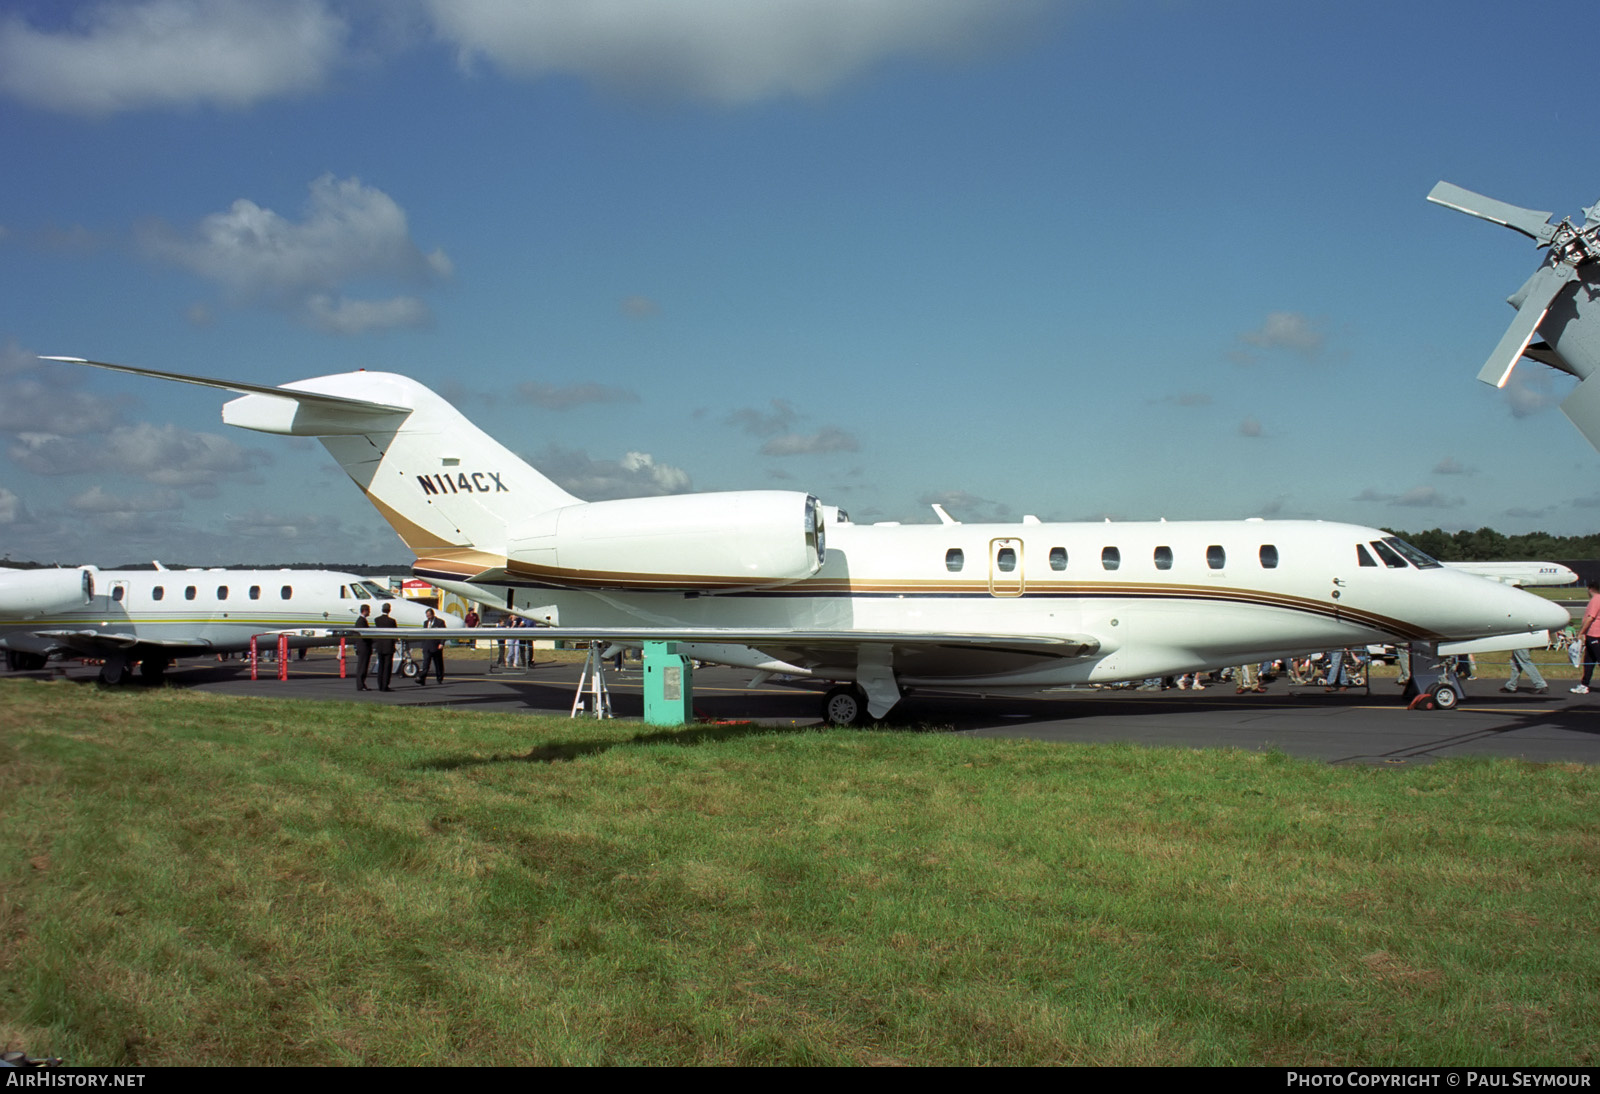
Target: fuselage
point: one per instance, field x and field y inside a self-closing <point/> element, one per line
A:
<point x="188" y="612"/>
<point x="1158" y="598"/>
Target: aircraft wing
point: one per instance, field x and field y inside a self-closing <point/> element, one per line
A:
<point x="94" y="642"/>
<point x="917" y="652"/>
<point x="1055" y="645"/>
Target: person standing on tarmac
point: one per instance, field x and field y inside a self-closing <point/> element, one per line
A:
<point x="364" y="648"/>
<point x="432" y="653"/>
<point x="385" y="649"/>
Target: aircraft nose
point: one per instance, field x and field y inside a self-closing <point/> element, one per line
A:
<point x="1551" y="616"/>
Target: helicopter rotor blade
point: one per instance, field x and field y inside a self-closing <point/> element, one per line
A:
<point x="1531" y="223"/>
<point x="1537" y="296"/>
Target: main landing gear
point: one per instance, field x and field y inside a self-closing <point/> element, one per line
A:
<point x="845" y="705"/>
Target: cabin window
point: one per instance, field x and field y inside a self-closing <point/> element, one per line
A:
<point x="255" y="592"/>
<point x="222" y="592"/>
<point x="954" y="560"/>
<point x="1006" y="559"/>
<point x="1110" y="558"/>
<point x="1163" y="558"/>
<point x="1216" y="557"/>
<point x="188" y="593"/>
<point x="286" y="592"/>
<point x="116" y="593"/>
<point x="1390" y="559"/>
<point x="1362" y="557"/>
<point x="1058" y="558"/>
<point x="1269" y="557"/>
<point x="157" y="593"/>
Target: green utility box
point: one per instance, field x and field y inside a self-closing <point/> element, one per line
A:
<point x="668" y="685"/>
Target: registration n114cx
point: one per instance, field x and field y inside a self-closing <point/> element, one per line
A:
<point x="776" y="581"/>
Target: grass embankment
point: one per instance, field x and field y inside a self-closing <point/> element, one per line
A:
<point x="190" y="879"/>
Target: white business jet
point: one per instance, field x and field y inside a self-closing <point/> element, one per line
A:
<point x="149" y="617"/>
<point x="777" y="582"/>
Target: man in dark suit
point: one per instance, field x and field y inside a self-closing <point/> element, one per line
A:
<point x="385" y="649"/>
<point x="364" y="648"/>
<point x="432" y="653"/>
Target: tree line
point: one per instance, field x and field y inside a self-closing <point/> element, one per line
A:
<point x="1487" y="545"/>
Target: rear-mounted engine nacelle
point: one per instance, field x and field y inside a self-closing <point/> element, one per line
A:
<point x="30" y="593"/>
<point x="736" y="540"/>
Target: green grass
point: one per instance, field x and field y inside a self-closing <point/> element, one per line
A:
<point x="190" y="879"/>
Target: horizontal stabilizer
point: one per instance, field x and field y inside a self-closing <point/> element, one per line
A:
<point x="313" y="398"/>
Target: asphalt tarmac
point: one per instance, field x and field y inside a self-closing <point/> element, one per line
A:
<point x="1351" y="727"/>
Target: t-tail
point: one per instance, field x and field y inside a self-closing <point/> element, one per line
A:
<point x="473" y="511"/>
<point x="448" y="489"/>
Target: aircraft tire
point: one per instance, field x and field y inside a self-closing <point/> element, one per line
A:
<point x="844" y="706"/>
<point x="1445" y="697"/>
<point x="153" y="670"/>
<point x="114" y="676"/>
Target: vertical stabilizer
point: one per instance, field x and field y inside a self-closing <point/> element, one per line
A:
<point x="439" y="480"/>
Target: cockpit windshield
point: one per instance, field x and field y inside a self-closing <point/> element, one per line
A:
<point x="1417" y="558"/>
<point x="376" y="590"/>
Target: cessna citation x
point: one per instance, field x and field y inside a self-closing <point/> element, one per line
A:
<point x="777" y="582"/>
<point x="148" y="617"/>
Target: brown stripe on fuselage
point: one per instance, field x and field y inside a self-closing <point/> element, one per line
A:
<point x="833" y="587"/>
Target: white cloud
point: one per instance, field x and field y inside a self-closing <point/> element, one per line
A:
<point x="1418" y="497"/>
<point x="761" y="423"/>
<point x="337" y="316"/>
<point x="130" y="56"/>
<point x="349" y="231"/>
<point x="259" y="525"/>
<point x="635" y="307"/>
<point x="35" y="405"/>
<point x="552" y="397"/>
<point x="1282" y="330"/>
<point x="164" y="455"/>
<point x="1250" y="427"/>
<point x="827" y="439"/>
<point x="98" y="500"/>
<point x="45" y="398"/>
<point x="725" y="51"/>
<point x="636" y="475"/>
<point x="1452" y="466"/>
<point x="1530" y="391"/>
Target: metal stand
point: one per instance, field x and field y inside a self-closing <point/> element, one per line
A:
<point x="593" y="678"/>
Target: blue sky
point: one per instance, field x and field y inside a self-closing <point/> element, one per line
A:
<point x="1127" y="259"/>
